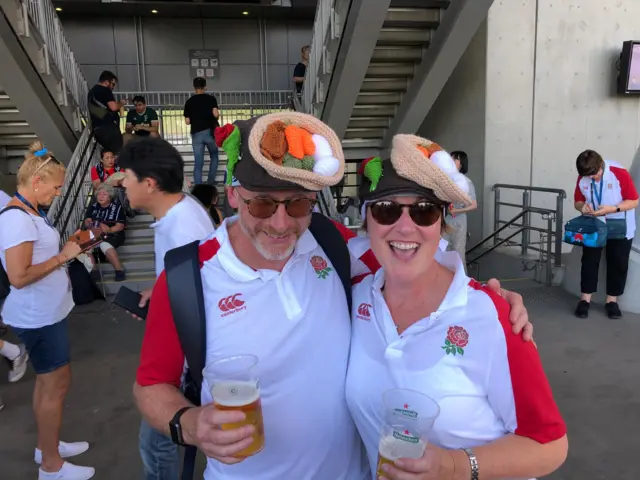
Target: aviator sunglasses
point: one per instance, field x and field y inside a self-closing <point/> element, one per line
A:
<point x="265" y="207"/>
<point x="422" y="212"/>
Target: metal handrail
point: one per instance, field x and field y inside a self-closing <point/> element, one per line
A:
<point x="67" y="211"/>
<point x="559" y="191"/>
<point x="56" y="49"/>
<point x="226" y="98"/>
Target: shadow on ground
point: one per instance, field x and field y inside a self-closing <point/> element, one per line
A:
<point x="592" y="366"/>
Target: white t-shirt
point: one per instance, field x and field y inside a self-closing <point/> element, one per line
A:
<point x="186" y="222"/>
<point x="49" y="300"/>
<point x="4" y="199"/>
<point x="486" y="380"/>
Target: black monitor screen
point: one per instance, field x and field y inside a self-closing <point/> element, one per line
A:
<point x="634" y="69"/>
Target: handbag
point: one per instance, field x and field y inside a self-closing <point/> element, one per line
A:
<point x="616" y="227"/>
<point x="586" y="231"/>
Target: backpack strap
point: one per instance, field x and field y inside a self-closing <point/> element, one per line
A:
<point x="5" y="284"/>
<point x="334" y="245"/>
<point x="186" y="297"/>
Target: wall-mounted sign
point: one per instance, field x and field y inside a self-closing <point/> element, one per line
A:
<point x="204" y="63"/>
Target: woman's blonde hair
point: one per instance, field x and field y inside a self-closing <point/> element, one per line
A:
<point x="39" y="161"/>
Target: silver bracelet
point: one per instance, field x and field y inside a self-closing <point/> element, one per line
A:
<point x="475" y="471"/>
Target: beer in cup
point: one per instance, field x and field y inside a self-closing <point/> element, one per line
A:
<point x="409" y="417"/>
<point x="234" y="386"/>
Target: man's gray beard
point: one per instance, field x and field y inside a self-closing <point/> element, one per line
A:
<point x="271" y="256"/>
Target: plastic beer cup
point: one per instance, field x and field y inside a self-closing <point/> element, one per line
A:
<point x="235" y="386"/>
<point x="409" y="417"/>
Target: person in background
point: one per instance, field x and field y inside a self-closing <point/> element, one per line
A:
<point x="605" y="190"/>
<point x="141" y="121"/>
<point x="39" y="303"/>
<point x="105" y="169"/>
<point x="300" y="69"/>
<point x="108" y="215"/>
<point x="456" y="219"/>
<point x="201" y="113"/>
<point x="154" y="179"/>
<point x="105" y="112"/>
<point x="208" y="197"/>
<point x="431" y="329"/>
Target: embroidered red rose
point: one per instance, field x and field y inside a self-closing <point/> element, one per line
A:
<point x="457" y="339"/>
<point x="319" y="264"/>
<point x="221" y="133"/>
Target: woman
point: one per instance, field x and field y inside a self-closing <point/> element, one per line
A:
<point x="108" y="215"/>
<point x="420" y="323"/>
<point x="615" y="204"/>
<point x="105" y="169"/>
<point x="40" y="301"/>
<point x="208" y="197"/>
<point x="457" y="218"/>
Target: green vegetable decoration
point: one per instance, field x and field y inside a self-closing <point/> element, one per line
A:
<point x="372" y="169"/>
<point x="306" y="163"/>
<point x="229" y="139"/>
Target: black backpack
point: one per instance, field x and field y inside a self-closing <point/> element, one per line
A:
<point x="184" y="284"/>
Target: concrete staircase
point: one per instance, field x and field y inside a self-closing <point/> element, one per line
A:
<point x="137" y="253"/>
<point x="15" y="134"/>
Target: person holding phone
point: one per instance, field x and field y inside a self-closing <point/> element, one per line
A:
<point x="39" y="302"/>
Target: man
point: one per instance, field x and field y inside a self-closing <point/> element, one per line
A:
<point x="301" y="69"/>
<point x="201" y="113"/>
<point x="141" y="122"/>
<point x="104" y="110"/>
<point x="154" y="179"/>
<point x="269" y="291"/>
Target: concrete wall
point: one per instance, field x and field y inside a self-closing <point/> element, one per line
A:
<point x="103" y="43"/>
<point x="551" y="91"/>
<point x="457" y="120"/>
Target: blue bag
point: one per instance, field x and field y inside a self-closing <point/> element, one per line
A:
<point x="585" y="231"/>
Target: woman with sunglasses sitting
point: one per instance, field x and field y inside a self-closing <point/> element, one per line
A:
<point x="421" y="324"/>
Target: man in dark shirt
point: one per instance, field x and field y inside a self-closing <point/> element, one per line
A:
<point x="104" y="111"/>
<point x="201" y="113"/>
<point x="142" y="121"/>
<point x="301" y="69"/>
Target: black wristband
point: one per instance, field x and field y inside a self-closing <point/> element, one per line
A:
<point x="175" y="427"/>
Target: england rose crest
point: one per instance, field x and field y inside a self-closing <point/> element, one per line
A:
<point x="457" y="339"/>
<point x="319" y="264"/>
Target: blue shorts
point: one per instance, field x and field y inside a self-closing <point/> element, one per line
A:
<point x="48" y="346"/>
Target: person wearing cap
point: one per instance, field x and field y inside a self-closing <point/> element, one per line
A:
<point x="420" y="323"/>
<point x="270" y="290"/>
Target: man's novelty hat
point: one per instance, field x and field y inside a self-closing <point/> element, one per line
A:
<point x="281" y="151"/>
<point x="417" y="166"/>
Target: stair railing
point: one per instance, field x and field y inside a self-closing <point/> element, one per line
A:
<point x="68" y="210"/>
<point x="549" y="245"/>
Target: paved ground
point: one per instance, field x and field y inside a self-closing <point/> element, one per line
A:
<point x="592" y="365"/>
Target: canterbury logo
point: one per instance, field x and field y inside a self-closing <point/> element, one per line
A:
<point x="363" y="311"/>
<point x="231" y="304"/>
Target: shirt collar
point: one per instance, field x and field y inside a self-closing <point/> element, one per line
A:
<point x="241" y="272"/>
<point x="456" y="295"/>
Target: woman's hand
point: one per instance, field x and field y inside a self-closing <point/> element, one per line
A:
<point x="435" y="464"/>
<point x="105" y="228"/>
<point x="88" y="223"/>
<point x="71" y="250"/>
<point x="586" y="209"/>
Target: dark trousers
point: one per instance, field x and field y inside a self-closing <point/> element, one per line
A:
<point x="109" y="137"/>
<point x="617" y="253"/>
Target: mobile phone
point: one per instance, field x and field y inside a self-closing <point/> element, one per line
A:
<point x="130" y="301"/>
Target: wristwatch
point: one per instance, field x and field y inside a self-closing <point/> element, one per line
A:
<point x="475" y="471"/>
<point x="176" y="428"/>
<point x="618" y="210"/>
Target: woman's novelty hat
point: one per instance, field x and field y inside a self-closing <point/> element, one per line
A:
<point x="281" y="151"/>
<point x="417" y="166"/>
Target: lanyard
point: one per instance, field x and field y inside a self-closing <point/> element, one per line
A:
<point x="598" y="194"/>
<point x="39" y="210"/>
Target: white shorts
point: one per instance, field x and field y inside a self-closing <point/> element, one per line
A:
<point x="105" y="247"/>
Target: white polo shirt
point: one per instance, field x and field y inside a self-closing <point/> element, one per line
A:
<point x="486" y="388"/>
<point x="617" y="185"/>
<point x="297" y="323"/>
<point x="185" y="222"/>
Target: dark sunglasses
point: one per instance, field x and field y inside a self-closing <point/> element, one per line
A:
<point x="265" y="207"/>
<point x="388" y="212"/>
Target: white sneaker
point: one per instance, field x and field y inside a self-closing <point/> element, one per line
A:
<point x="66" y="450"/>
<point x="18" y="365"/>
<point x="69" y="471"/>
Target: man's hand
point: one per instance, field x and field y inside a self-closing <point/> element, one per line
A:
<point x="519" y="316"/>
<point x="435" y="464"/>
<point x="202" y="427"/>
<point x="586" y="209"/>
<point x="145" y="295"/>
